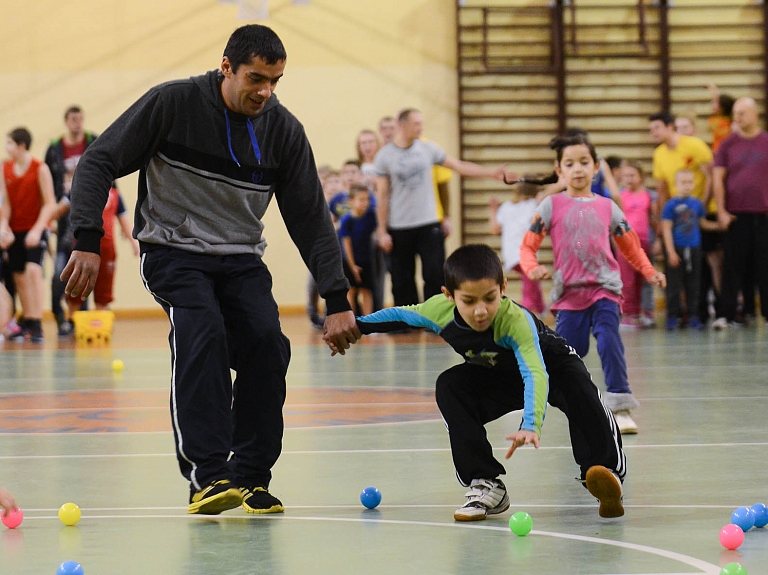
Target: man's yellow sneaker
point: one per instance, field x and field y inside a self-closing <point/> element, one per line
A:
<point x="215" y="498"/>
<point x="259" y="500"/>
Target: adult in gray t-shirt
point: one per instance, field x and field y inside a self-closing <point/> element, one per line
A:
<point x="407" y="208"/>
<point x="411" y="189"/>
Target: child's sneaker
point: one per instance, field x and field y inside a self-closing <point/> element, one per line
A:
<point x="695" y="323"/>
<point x="647" y="321"/>
<point x="259" y="500"/>
<point x="720" y="324"/>
<point x="606" y="487"/>
<point x="216" y="497"/>
<point x="485" y="497"/>
<point x="629" y="322"/>
<point x="672" y="324"/>
<point x="624" y="421"/>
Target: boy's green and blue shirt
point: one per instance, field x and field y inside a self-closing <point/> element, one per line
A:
<point x="511" y="345"/>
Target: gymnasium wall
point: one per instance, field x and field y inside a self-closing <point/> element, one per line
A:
<point x="349" y="63"/>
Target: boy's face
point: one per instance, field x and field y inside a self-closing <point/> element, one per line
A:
<point x="685" y="183"/>
<point x="478" y="301"/>
<point x="13" y="149"/>
<point x="350" y="174"/>
<point x="684" y="126"/>
<point x="358" y="203"/>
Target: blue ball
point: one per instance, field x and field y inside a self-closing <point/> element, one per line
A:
<point x="761" y="514"/>
<point x="70" y="568"/>
<point x="370" y="497"/>
<point x="744" y="517"/>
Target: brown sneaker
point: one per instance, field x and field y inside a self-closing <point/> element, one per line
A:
<point x="603" y="484"/>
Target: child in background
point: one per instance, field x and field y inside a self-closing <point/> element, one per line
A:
<point x="512" y="361"/>
<point x="356" y="233"/>
<point x="720" y="120"/>
<point x="332" y="187"/>
<point x="587" y="292"/>
<point x="639" y="208"/>
<point x="512" y="220"/>
<point x="682" y="220"/>
<point x="114" y="209"/>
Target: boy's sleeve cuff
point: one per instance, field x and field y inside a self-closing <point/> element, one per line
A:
<point x="88" y="241"/>
<point x="336" y="302"/>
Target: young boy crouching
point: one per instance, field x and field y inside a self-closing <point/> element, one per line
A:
<point x="512" y="361"/>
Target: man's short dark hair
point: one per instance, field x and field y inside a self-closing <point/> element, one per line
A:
<point x="665" y="117"/>
<point x="21" y="136"/>
<point x="251" y="41"/>
<point x="72" y="110"/>
<point x="472" y="262"/>
<point x="405" y="114"/>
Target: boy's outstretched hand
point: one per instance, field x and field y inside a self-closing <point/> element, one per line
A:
<point x="521" y="437"/>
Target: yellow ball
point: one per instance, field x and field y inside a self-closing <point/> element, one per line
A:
<point x="69" y="514"/>
<point x="118" y="365"/>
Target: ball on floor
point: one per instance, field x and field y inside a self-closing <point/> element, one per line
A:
<point x="69" y="514"/>
<point x="117" y="365"/>
<point x="13" y="518"/>
<point x="744" y="517"/>
<point x="521" y="523"/>
<point x="733" y="569"/>
<point x="731" y="536"/>
<point x="70" y="568"/>
<point x="370" y="497"/>
<point x="761" y="514"/>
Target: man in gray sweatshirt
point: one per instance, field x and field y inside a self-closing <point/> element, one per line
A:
<point x="211" y="152"/>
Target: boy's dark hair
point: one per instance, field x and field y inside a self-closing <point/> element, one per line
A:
<point x="72" y="110"/>
<point x="356" y="189"/>
<point x="560" y="143"/>
<point x="251" y="41"/>
<point x="352" y="162"/>
<point x="472" y="262"/>
<point x="614" y="161"/>
<point x="665" y="117"/>
<point x="21" y="136"/>
<point x="726" y="103"/>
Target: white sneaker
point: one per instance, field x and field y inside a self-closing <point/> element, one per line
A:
<point x="626" y="424"/>
<point x="605" y="485"/>
<point x="485" y="497"/>
<point x="720" y="324"/>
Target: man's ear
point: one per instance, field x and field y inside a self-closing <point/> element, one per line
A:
<point x="226" y="66"/>
<point x="446" y="293"/>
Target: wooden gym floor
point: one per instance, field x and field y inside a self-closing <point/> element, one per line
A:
<point x="72" y="429"/>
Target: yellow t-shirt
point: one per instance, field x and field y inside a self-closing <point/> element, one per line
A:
<point x="690" y="153"/>
<point x="440" y="175"/>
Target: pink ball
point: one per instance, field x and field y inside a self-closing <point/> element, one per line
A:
<point x="12" y="519"/>
<point x="731" y="536"/>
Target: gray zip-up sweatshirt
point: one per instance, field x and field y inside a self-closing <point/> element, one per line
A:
<point x="206" y="179"/>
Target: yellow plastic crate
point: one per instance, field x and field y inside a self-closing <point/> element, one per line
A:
<point x="93" y="327"/>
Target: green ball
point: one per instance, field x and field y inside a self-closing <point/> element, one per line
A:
<point x="521" y="523"/>
<point x="733" y="569"/>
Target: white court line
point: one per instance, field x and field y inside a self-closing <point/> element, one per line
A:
<point x="371" y="451"/>
<point x="703" y="566"/>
